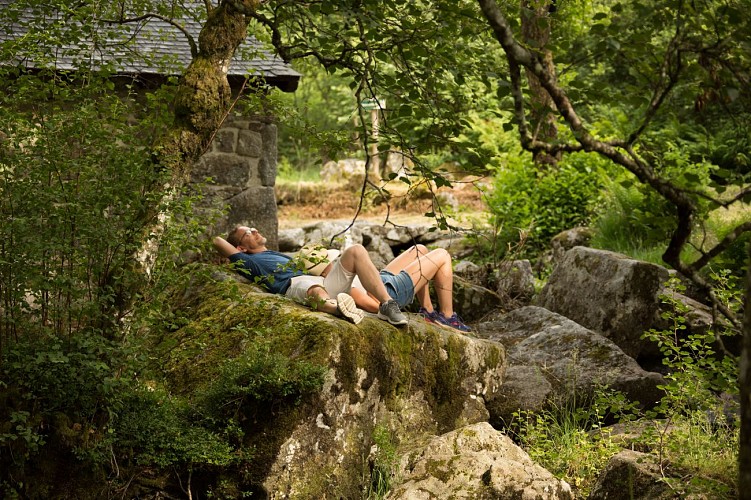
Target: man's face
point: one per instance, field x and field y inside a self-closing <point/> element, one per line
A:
<point x="251" y="240"/>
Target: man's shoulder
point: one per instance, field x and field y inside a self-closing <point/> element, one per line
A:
<point x="265" y="256"/>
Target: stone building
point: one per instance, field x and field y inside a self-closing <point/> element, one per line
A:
<point x="242" y="158"/>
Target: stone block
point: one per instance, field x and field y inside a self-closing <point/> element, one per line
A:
<point x="224" y="140"/>
<point x="241" y="124"/>
<point x="223" y="168"/>
<point x="249" y="144"/>
<point x="267" y="166"/>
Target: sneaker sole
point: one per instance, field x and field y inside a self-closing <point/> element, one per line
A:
<point x="446" y="325"/>
<point x="348" y="308"/>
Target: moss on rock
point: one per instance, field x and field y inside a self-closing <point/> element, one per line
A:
<point x="375" y="372"/>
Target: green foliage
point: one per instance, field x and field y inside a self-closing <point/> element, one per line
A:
<point x="383" y="462"/>
<point x="75" y="186"/>
<point x="316" y="122"/>
<point x="259" y="376"/>
<point x="700" y="407"/>
<point x="79" y="395"/>
<point x="631" y="219"/>
<point x="696" y="372"/>
<point x="93" y="398"/>
<point x="567" y="441"/>
<point x="154" y="428"/>
<point x="544" y="203"/>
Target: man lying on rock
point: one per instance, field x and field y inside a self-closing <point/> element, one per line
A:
<point x="246" y="248"/>
<point x="407" y="276"/>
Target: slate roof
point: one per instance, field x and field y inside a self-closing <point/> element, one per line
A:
<point x="150" y="47"/>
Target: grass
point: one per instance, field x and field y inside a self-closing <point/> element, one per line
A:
<point x="561" y="441"/>
<point x="570" y="444"/>
<point x="286" y="173"/>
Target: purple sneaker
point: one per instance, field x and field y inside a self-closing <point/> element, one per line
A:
<point x="454" y="322"/>
<point x="430" y="317"/>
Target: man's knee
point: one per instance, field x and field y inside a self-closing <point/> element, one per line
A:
<point x="356" y="249"/>
<point x="352" y="255"/>
<point x="317" y="291"/>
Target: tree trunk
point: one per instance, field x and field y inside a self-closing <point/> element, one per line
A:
<point x="535" y="17"/>
<point x="744" y="448"/>
<point x="202" y="100"/>
<point x="204" y="94"/>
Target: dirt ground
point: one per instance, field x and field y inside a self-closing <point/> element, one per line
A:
<point x="303" y="203"/>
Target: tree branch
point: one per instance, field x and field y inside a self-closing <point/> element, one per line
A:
<point x="188" y="36"/>
<point x="671" y="66"/>
<point x="721" y="246"/>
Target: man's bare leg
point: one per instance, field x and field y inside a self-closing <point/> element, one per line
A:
<point x="319" y="300"/>
<point x="343" y="305"/>
<point x="355" y="259"/>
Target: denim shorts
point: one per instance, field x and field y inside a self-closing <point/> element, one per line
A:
<point x="399" y="286"/>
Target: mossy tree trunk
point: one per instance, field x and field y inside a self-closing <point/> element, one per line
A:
<point x="202" y="99"/>
<point x="203" y="95"/>
<point x="744" y="451"/>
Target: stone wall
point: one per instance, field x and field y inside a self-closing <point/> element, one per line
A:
<point x="241" y="166"/>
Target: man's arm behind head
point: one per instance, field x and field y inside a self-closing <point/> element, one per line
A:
<point x="224" y="247"/>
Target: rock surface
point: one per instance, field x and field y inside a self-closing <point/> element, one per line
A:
<point x="515" y="281"/>
<point x="475" y="462"/>
<point x="609" y="293"/>
<point x="416" y="380"/>
<point x="553" y="359"/>
<point x="632" y="475"/>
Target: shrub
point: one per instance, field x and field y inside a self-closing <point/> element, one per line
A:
<point x="542" y="203"/>
<point x="76" y="191"/>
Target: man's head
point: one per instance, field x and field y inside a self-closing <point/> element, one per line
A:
<point x="247" y="239"/>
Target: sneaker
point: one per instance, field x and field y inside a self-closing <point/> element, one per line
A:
<point x="389" y="311"/>
<point x="454" y="322"/>
<point x="346" y="306"/>
<point x="430" y="317"/>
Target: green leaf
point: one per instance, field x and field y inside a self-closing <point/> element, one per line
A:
<point x="691" y="177"/>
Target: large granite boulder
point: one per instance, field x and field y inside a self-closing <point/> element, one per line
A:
<point x="474" y="462"/>
<point x="417" y="380"/>
<point x="552" y="358"/>
<point x="568" y="239"/>
<point x="515" y="281"/>
<point x="473" y="302"/>
<point x="609" y="293"/>
<point x="632" y="475"/>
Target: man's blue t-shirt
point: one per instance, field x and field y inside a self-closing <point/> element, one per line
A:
<point x="274" y="269"/>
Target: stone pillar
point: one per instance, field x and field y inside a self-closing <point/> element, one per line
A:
<point x="239" y="173"/>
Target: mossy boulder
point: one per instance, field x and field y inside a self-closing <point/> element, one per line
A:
<point x="609" y="293"/>
<point x="475" y="462"/>
<point x="555" y="360"/>
<point x="412" y="381"/>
